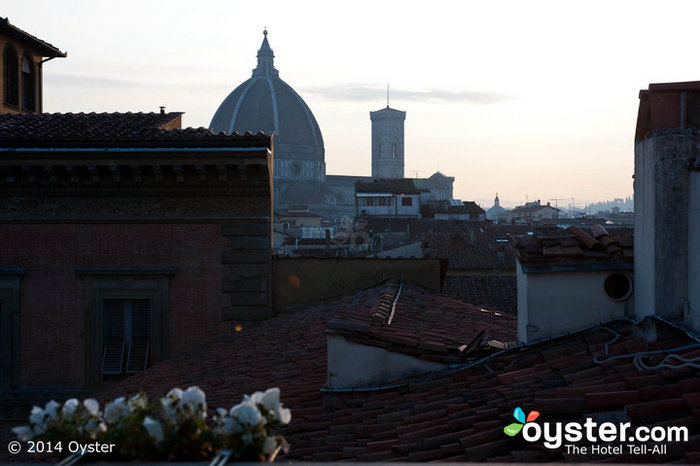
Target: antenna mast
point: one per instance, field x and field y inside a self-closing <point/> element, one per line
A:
<point x="387" y="95"/>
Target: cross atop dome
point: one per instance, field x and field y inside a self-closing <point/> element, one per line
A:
<point x="266" y="58"/>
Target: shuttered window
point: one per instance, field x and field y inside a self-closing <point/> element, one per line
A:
<point x="127" y="336"/>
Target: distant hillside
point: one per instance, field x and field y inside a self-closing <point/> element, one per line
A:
<point x="625" y="205"/>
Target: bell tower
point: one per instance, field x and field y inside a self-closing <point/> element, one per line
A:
<point x="387" y="143"/>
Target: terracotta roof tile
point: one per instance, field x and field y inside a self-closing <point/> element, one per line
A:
<point x="575" y="245"/>
<point x="426" y="420"/>
<point x="88" y="129"/>
<point x="497" y="292"/>
<point x="421" y="323"/>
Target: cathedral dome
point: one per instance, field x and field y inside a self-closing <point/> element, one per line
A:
<point x="266" y="103"/>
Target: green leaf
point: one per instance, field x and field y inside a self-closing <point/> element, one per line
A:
<point x="513" y="429"/>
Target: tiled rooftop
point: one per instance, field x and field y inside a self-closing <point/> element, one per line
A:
<point x="78" y="129"/>
<point x="576" y="245"/>
<point x="422" y="324"/>
<point x="389" y="185"/>
<point x="497" y="292"/>
<point x="475" y="247"/>
<point x="46" y="49"/>
<point x="456" y="416"/>
<point x="467" y="207"/>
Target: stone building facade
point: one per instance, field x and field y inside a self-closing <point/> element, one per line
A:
<point x="126" y="240"/>
<point x="21" y="65"/>
<point x="667" y="203"/>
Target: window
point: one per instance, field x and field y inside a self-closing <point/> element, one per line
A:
<point x="375" y="201"/>
<point x="282" y="168"/>
<point x="406" y="201"/>
<point x="9" y="325"/>
<point x="28" y="84"/>
<point x="126" y="320"/>
<point x="127" y="336"/>
<point x="10" y="76"/>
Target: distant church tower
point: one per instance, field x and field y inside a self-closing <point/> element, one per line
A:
<point x="387" y="143"/>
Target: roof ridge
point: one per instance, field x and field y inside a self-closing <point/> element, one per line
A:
<point x="385" y="305"/>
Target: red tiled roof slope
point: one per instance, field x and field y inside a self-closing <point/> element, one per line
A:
<point x="423" y="324"/>
<point x="497" y="292"/>
<point x="455" y="417"/>
<point x="576" y="244"/>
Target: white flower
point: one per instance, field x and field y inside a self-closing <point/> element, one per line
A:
<point x="270" y="398"/>
<point x="92" y="406"/>
<point x="70" y="406"/>
<point x="194" y="401"/>
<point x="255" y="398"/>
<point x="230" y="426"/>
<point x="94" y="427"/>
<point x="283" y="415"/>
<point x="51" y="409"/>
<point x="269" y="445"/>
<point x="115" y="410"/>
<point x="24" y="433"/>
<point x="140" y="400"/>
<point x="154" y="428"/>
<point x="247" y="413"/>
<point x="36" y="416"/>
<point x="174" y="394"/>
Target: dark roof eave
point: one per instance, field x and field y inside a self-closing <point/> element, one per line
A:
<point x="44" y="48"/>
<point x="183" y="142"/>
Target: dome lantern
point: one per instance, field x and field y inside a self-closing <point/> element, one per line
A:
<point x="266" y="59"/>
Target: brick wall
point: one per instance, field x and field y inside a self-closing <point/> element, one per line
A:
<point x="52" y="314"/>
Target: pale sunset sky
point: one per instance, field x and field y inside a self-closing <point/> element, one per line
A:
<point x="523" y="98"/>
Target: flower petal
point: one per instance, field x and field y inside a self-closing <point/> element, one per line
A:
<point x="512" y="429"/>
<point x="519" y="415"/>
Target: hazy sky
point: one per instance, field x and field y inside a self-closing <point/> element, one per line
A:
<point x="523" y="98"/>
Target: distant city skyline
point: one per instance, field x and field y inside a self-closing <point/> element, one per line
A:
<point x="535" y="99"/>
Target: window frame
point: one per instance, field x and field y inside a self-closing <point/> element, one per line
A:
<point x="130" y="283"/>
<point x="27" y="84"/>
<point x="10" y="84"/>
<point x="127" y="308"/>
<point x="10" y="278"/>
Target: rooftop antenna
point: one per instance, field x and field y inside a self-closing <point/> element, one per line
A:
<point x="387" y="95"/>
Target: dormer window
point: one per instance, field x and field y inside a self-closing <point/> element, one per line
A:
<point x="28" y="84"/>
<point x="10" y="76"/>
